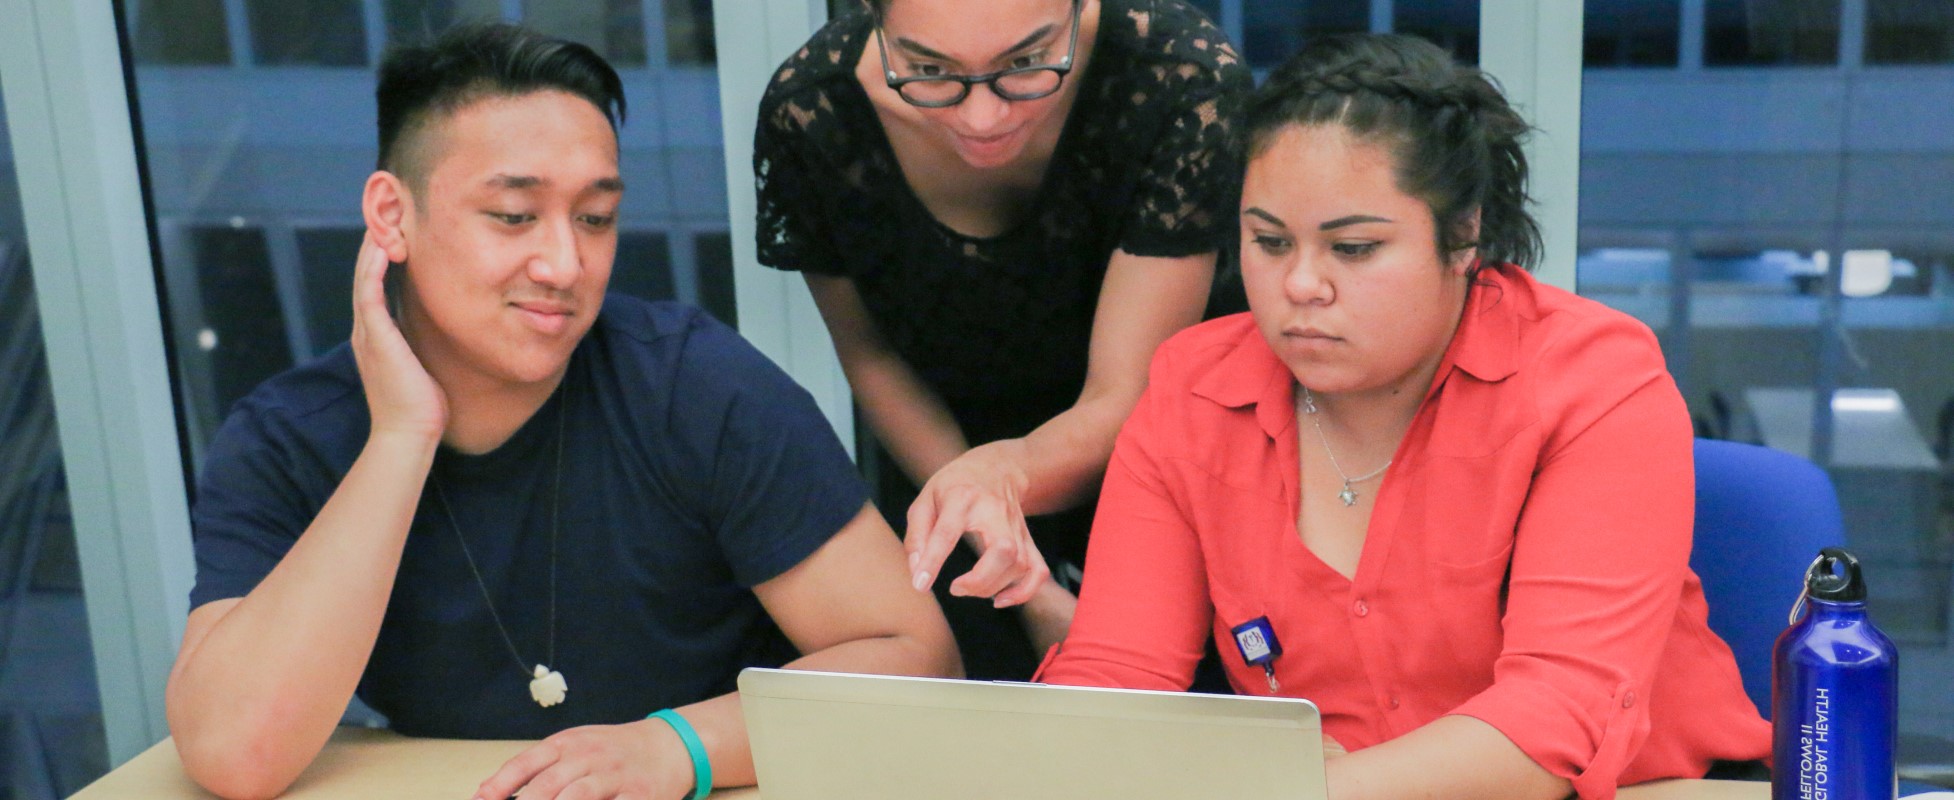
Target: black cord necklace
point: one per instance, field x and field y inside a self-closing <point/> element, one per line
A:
<point x="547" y="687"/>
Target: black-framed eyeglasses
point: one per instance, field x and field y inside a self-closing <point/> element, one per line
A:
<point x="1019" y="83"/>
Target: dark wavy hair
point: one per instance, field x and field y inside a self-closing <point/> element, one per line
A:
<point x="1453" y="138"/>
<point x="419" y="85"/>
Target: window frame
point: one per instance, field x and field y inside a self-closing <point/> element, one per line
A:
<point x="94" y="249"/>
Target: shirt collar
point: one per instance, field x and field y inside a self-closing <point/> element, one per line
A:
<point x="1251" y="374"/>
<point x="1487" y="343"/>
<point x="1486" y="346"/>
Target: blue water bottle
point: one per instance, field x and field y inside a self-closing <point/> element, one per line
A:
<point x="1834" y="692"/>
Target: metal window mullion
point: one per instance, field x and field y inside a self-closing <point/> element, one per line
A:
<point x="1852" y="34"/>
<point x="1682" y="317"/>
<point x="1383" y="15"/>
<point x="657" y="47"/>
<point x="61" y="73"/>
<point x="1234" y="22"/>
<point x="196" y="391"/>
<point x="776" y="313"/>
<point x="1534" y="48"/>
<point x="682" y="248"/>
<point x="1694" y="21"/>
<point x="237" y="31"/>
<point x="375" y="17"/>
<point x="288" y="281"/>
<point x="657" y="89"/>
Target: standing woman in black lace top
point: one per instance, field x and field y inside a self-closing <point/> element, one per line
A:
<point x="1001" y="209"/>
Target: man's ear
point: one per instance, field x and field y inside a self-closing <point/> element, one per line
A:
<point x="386" y="205"/>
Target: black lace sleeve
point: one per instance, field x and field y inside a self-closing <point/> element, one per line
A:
<point x="1185" y="201"/>
<point x="792" y="226"/>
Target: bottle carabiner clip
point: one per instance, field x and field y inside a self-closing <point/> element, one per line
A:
<point x="1804" y="590"/>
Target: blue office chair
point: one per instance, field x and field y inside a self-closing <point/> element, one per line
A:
<point x="1761" y="517"/>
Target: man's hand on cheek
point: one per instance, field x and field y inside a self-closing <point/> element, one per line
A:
<point x="401" y="396"/>
<point x="644" y="759"/>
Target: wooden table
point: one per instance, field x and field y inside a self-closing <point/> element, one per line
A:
<point x="357" y="763"/>
<point x="365" y="763"/>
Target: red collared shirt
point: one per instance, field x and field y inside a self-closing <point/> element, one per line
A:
<point x="1526" y="563"/>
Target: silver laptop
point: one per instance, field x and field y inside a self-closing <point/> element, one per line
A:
<point x="827" y="735"/>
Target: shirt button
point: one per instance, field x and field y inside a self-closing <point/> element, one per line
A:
<point x="1628" y="700"/>
<point x="1361" y="609"/>
<point x="1394" y="704"/>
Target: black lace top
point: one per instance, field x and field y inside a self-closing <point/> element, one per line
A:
<point x="1150" y="161"/>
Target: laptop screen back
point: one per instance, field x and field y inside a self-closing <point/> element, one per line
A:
<point x="827" y="735"/>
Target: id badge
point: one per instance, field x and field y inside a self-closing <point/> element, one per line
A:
<point x="1256" y="640"/>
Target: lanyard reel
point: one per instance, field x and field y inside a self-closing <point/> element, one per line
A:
<point x="1256" y="639"/>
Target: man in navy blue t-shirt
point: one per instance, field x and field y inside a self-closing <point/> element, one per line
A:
<point x="512" y="507"/>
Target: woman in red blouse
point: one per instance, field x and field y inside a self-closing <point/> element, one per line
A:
<point x="1460" y="499"/>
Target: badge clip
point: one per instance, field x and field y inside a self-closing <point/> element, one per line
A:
<point x="1256" y="639"/>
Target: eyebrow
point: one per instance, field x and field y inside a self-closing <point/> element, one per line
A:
<point x="515" y="181"/>
<point x="1353" y="219"/>
<point x="1037" y="35"/>
<point x="613" y="185"/>
<point x="1270" y="218"/>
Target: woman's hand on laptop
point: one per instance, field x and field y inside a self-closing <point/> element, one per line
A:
<point x="597" y="762"/>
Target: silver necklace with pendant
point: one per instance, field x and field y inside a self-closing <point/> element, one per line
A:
<point x="1348" y="495"/>
<point x="546" y="686"/>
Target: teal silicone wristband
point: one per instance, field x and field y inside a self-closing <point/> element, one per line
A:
<point x="701" y="765"/>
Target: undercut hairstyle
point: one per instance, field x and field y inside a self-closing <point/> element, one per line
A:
<point x="881" y="7"/>
<point x="422" y="85"/>
<point x="1455" y="142"/>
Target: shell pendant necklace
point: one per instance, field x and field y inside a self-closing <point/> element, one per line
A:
<point x="1348" y="495"/>
<point x="546" y="686"/>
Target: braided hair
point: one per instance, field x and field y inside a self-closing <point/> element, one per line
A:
<point x="1453" y="137"/>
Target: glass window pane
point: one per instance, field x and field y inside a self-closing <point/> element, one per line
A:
<point x="715" y="254"/>
<point x="326" y="256"/>
<point x="179" y="31"/>
<point x="688" y="32"/>
<point x="257" y="192"/>
<point x="330" y="33"/>
<point x="1631" y="33"/>
<point x="1770" y="32"/>
<point x="411" y="22"/>
<point x="1785" y="232"/>
<point x="244" y="329"/>
<point x="1909" y="32"/>
<point x="615" y="28"/>
<point x="51" y="742"/>
<point x="644" y="266"/>
<point x="1272" y="32"/>
<point x="1453" y="24"/>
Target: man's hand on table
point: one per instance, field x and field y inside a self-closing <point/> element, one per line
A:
<point x="643" y="759"/>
